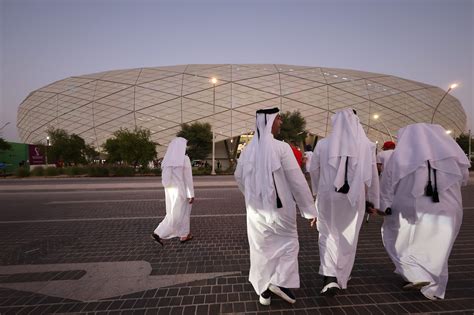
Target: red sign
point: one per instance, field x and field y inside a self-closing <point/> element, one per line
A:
<point x="35" y="154"/>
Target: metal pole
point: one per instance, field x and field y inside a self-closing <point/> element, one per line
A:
<point x="46" y="155"/>
<point x="213" y="170"/>
<point x="439" y="103"/>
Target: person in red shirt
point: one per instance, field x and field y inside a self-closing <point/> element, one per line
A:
<point x="297" y="153"/>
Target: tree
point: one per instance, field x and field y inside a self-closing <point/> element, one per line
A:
<point x="293" y="127"/>
<point x="68" y="148"/>
<point x="131" y="147"/>
<point x="4" y="145"/>
<point x="199" y="136"/>
<point x="463" y="141"/>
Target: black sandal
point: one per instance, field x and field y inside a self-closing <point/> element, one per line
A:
<point x="157" y="239"/>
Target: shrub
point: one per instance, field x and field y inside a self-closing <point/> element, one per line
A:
<point x="122" y="171"/>
<point x="156" y="171"/>
<point x="74" y="170"/>
<point x="52" y="171"/>
<point x="22" y="172"/>
<point x="202" y="171"/>
<point x="37" y="171"/>
<point x="98" y="171"/>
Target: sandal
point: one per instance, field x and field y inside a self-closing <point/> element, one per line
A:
<point x="157" y="239"/>
<point x="188" y="238"/>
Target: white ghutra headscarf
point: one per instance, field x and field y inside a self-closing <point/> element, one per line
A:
<point x="422" y="142"/>
<point x="348" y="140"/>
<point x="259" y="161"/>
<point x="174" y="157"/>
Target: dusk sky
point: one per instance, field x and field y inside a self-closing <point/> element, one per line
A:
<point x="43" y="41"/>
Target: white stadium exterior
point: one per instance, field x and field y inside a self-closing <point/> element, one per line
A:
<point x="162" y="98"/>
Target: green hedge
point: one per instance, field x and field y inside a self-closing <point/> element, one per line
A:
<point x="37" y="171"/>
<point x="22" y="172"/>
<point x="121" y="171"/>
<point x="97" y="171"/>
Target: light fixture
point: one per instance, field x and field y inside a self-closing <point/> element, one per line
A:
<point x="452" y="86"/>
<point x="213" y="80"/>
<point x="376" y="116"/>
<point x="449" y="132"/>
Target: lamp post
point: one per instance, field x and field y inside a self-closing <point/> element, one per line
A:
<point x="376" y="117"/>
<point x="46" y="155"/>
<point x="213" y="81"/>
<point x="453" y="86"/>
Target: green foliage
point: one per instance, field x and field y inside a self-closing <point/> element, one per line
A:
<point x="199" y="136"/>
<point x="75" y="170"/>
<point x="90" y="153"/>
<point x="52" y="171"/>
<point x="463" y="141"/>
<point x="4" y="145"/>
<point x="98" y="171"/>
<point x="201" y="171"/>
<point x="131" y="147"/>
<point x="37" y="171"/>
<point x="71" y="149"/>
<point x="22" y="172"/>
<point x="293" y="127"/>
<point x="121" y="171"/>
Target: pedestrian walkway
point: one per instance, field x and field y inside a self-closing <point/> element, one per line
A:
<point x="89" y="251"/>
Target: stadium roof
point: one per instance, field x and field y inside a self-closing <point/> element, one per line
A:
<point x="162" y="98"/>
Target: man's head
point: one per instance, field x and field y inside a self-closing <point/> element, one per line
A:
<point x="276" y="127"/>
<point x="269" y="114"/>
<point x="388" y="145"/>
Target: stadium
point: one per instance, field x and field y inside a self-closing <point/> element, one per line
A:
<point x="162" y="98"/>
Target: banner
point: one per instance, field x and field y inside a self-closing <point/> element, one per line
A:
<point x="36" y="154"/>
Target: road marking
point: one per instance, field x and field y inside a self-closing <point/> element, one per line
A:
<point x="101" y="191"/>
<point x="115" y="200"/>
<point x="121" y="218"/>
<point x="102" y="280"/>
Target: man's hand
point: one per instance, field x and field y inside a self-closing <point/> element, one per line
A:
<point x="191" y="200"/>
<point x="312" y="223"/>
<point x="372" y="211"/>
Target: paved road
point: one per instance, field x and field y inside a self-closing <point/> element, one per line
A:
<point x="83" y="246"/>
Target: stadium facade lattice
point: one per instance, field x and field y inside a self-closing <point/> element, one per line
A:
<point x="162" y="98"/>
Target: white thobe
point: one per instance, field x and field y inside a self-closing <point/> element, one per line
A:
<point x="420" y="234"/>
<point x="338" y="221"/>
<point x="307" y="155"/>
<point x="274" y="243"/>
<point x="383" y="157"/>
<point x="178" y="209"/>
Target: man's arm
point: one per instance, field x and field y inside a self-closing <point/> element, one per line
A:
<point x="298" y="185"/>
<point x="188" y="179"/>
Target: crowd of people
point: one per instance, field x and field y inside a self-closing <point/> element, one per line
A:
<point x="415" y="185"/>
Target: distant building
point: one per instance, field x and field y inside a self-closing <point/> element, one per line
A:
<point x="161" y="98"/>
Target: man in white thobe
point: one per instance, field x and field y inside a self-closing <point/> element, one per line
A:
<point x="421" y="183"/>
<point x="271" y="180"/>
<point x="177" y="180"/>
<point x="308" y="153"/>
<point x="384" y="156"/>
<point x="342" y="168"/>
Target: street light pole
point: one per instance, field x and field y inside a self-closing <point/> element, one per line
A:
<point x="441" y="100"/>
<point x="376" y="117"/>
<point x="46" y="155"/>
<point x="213" y="170"/>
